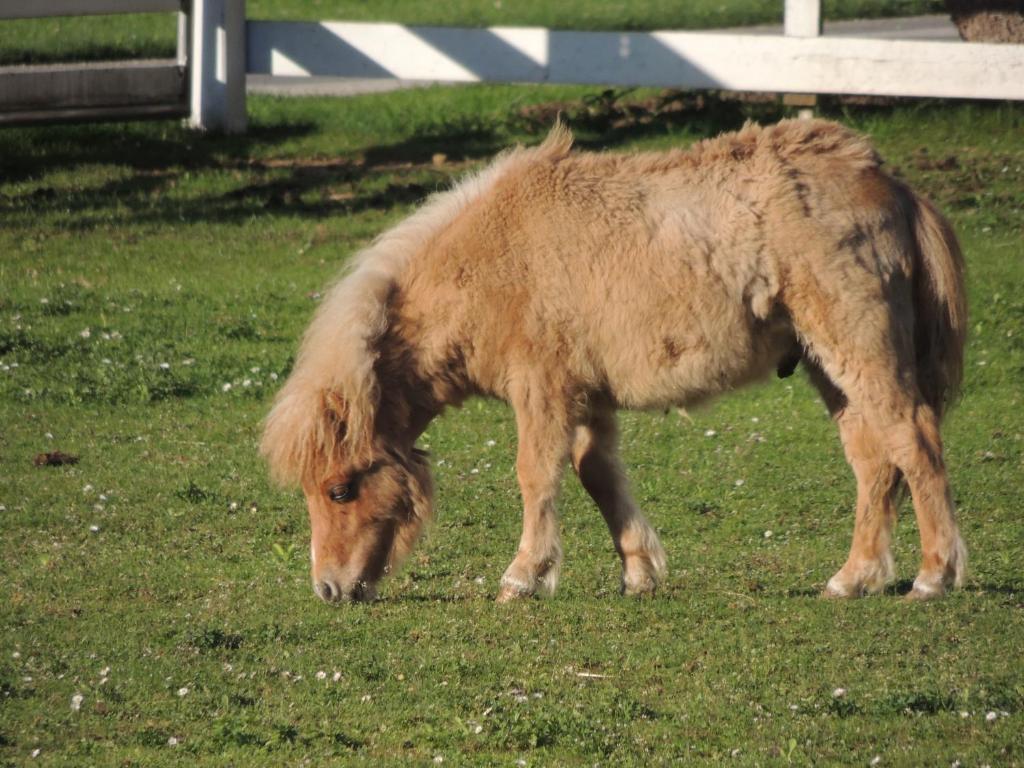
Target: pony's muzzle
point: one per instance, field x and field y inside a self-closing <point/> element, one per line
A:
<point x="330" y="591"/>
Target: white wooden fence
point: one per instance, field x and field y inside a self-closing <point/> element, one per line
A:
<point x="217" y="47"/>
<point x="799" y="61"/>
<point x="205" y="83"/>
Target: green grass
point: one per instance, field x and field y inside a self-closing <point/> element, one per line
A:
<point x="194" y="263"/>
<point x="153" y="35"/>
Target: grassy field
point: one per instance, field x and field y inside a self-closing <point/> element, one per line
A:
<point x="153" y="35"/>
<point x="155" y="605"/>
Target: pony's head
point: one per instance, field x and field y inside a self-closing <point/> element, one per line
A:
<point x="368" y="495"/>
<point x="367" y="488"/>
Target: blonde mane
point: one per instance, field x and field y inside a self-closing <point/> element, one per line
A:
<point x="330" y="399"/>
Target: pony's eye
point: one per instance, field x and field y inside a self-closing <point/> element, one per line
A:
<point x="342" y="492"/>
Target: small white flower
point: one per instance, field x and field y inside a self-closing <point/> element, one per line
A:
<point x="875" y="760"/>
<point x="964" y="715"/>
<point x="94" y="529"/>
<point x="188" y="361"/>
<point x="183" y="691"/>
<point x="48" y="435"/>
<point x="35" y="752"/>
<point x="478" y="729"/>
<point x="44" y="300"/>
<point x="740" y="482"/>
<point x="16" y="655"/>
<point x="365" y="698"/>
<point x="474" y="471"/>
<point x="990" y="717"/>
<point x="86" y="333"/>
<point x="768" y="535"/>
<point x="233" y="506"/>
<point x="438" y="759"/>
<point x="247" y="382"/>
<point x="710" y="433"/>
<point x="336" y="676"/>
<point x="838" y="693"/>
<point x="172" y="742"/>
<point x="105" y="671"/>
<point x="254" y="369"/>
<point x="491" y="443"/>
<point x="225" y="386"/>
<point x="165" y="366"/>
<point x="273" y="377"/>
<point x="76" y="702"/>
<point x="103" y="497"/>
<point x="755" y="419"/>
<point x="106" y="361"/>
<point x="321" y="675"/>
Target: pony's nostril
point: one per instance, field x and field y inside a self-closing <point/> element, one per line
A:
<point x="328" y="592"/>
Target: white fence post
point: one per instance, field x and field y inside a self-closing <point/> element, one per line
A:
<point x="217" y="65"/>
<point x="802" y="18"/>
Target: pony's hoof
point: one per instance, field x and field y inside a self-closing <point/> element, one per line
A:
<point x="512" y="590"/>
<point x="641" y="587"/>
<point x="925" y="590"/>
<point x="920" y="595"/>
<point x="837" y="590"/>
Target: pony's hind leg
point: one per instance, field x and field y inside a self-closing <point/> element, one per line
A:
<point x="869" y="568"/>
<point x="595" y="458"/>
<point x="915" y="446"/>
<point x="886" y="424"/>
<point x="544" y="437"/>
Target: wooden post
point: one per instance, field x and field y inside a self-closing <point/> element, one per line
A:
<point x="802" y="18"/>
<point x="217" y="65"/>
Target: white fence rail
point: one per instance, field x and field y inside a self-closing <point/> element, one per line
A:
<point x="37" y="9"/>
<point x="672" y="59"/>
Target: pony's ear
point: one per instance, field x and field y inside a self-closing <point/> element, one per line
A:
<point x="347" y="426"/>
<point x="335" y="409"/>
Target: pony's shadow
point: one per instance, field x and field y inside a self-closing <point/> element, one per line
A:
<point x="904" y="587"/>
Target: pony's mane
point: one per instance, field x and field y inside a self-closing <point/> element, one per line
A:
<point x="329" y="401"/>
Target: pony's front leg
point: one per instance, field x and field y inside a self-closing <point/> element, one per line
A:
<point x="544" y="436"/>
<point x="595" y="458"/>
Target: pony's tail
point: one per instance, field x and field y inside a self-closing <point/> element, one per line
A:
<point x="940" y="306"/>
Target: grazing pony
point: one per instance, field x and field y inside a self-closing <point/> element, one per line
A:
<point x="572" y="284"/>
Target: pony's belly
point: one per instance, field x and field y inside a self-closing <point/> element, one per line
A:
<point x="695" y="368"/>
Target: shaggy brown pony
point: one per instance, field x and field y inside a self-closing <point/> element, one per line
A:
<point x="572" y="284"/>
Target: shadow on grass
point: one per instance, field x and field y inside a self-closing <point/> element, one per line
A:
<point x="165" y="184"/>
<point x="32" y="152"/>
<point x="904" y="587"/>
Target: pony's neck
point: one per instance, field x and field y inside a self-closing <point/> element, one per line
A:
<point x="411" y="394"/>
